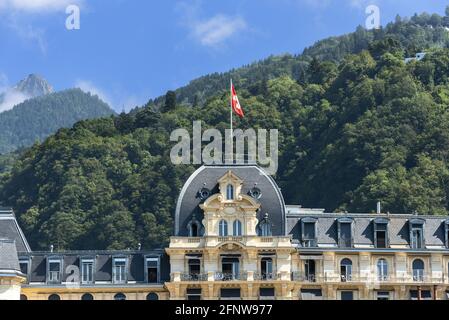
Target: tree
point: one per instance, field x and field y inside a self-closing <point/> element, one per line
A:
<point x="170" y="101"/>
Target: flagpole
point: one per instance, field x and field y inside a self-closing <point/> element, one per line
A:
<point x="232" y="129"/>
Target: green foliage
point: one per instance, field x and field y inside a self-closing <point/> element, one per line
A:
<point x="357" y="125"/>
<point x="36" y="119"/>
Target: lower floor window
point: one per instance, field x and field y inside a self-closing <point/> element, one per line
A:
<point x="267" y="293"/>
<point x="420" y="295"/>
<point x="230" y="294"/>
<point x="347" y="295"/>
<point x="193" y="294"/>
<point x="383" y="295"/>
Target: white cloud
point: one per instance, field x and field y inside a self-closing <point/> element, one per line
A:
<point x="217" y="29"/>
<point x="212" y="31"/>
<point x="89" y="87"/>
<point x="35" y="6"/>
<point x="9" y="97"/>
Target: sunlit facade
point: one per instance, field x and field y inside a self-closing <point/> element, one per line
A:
<point x="235" y="238"/>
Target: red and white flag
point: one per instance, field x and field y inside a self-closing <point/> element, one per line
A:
<point x="236" y="107"/>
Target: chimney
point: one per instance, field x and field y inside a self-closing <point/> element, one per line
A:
<point x="378" y="208"/>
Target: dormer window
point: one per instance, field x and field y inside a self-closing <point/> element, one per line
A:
<point x="230" y="192"/>
<point x="381" y="233"/>
<point x="87" y="270"/>
<point x="119" y="270"/>
<point x="54" y="270"/>
<point x="345" y="234"/>
<point x="416" y="233"/>
<point x="24" y="264"/>
<point x="308" y="232"/>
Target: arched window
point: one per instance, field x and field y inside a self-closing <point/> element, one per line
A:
<point x="382" y="270"/>
<point x="346" y="270"/>
<point x="223" y="228"/>
<point x="265" y="227"/>
<point x="194" y="227"/>
<point x="152" y="296"/>
<point x="54" y="297"/>
<point x="418" y="270"/>
<point x="237" y="228"/>
<point x="23" y="297"/>
<point x="87" y="297"/>
<point x="265" y="230"/>
<point x="230" y="192"/>
<point x="193" y="230"/>
<point x="119" y="296"/>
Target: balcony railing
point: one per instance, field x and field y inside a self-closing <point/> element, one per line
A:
<point x="311" y="243"/>
<point x="265" y="276"/>
<point x="54" y="277"/>
<point x="230" y="238"/>
<point x="301" y="277"/>
<point x="333" y="277"/>
<point x="193" y="277"/>
<point x="220" y="276"/>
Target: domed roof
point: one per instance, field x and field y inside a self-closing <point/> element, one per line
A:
<point x="256" y="183"/>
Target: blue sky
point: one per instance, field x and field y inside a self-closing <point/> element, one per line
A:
<point x="134" y="50"/>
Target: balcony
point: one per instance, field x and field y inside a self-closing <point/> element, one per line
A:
<point x="265" y="276"/>
<point x="220" y="276"/>
<point x="301" y="277"/>
<point x="190" y="277"/>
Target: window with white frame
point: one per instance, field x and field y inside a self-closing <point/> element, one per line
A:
<point x="308" y="232"/>
<point x="87" y="271"/>
<point x="418" y="270"/>
<point x="223" y="228"/>
<point x="152" y="269"/>
<point x="416" y="233"/>
<point x="230" y="192"/>
<point x="237" y="228"/>
<point x="381" y="233"/>
<point x="345" y="234"/>
<point x="119" y="270"/>
<point x="54" y="271"/>
<point x="382" y="270"/>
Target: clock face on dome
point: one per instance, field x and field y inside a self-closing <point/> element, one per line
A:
<point x="204" y="193"/>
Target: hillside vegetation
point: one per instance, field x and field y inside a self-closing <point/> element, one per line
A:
<point x="362" y="128"/>
<point x="37" y="118"/>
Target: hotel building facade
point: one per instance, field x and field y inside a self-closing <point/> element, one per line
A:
<point x="235" y="238"/>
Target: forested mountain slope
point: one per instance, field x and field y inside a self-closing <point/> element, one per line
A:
<point x="366" y="127"/>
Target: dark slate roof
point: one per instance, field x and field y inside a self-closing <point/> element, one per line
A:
<point x="103" y="263"/>
<point x="9" y="229"/>
<point x="8" y="256"/>
<point x="398" y="227"/>
<point x="271" y="201"/>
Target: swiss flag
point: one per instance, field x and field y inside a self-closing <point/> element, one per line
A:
<point x="235" y="103"/>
